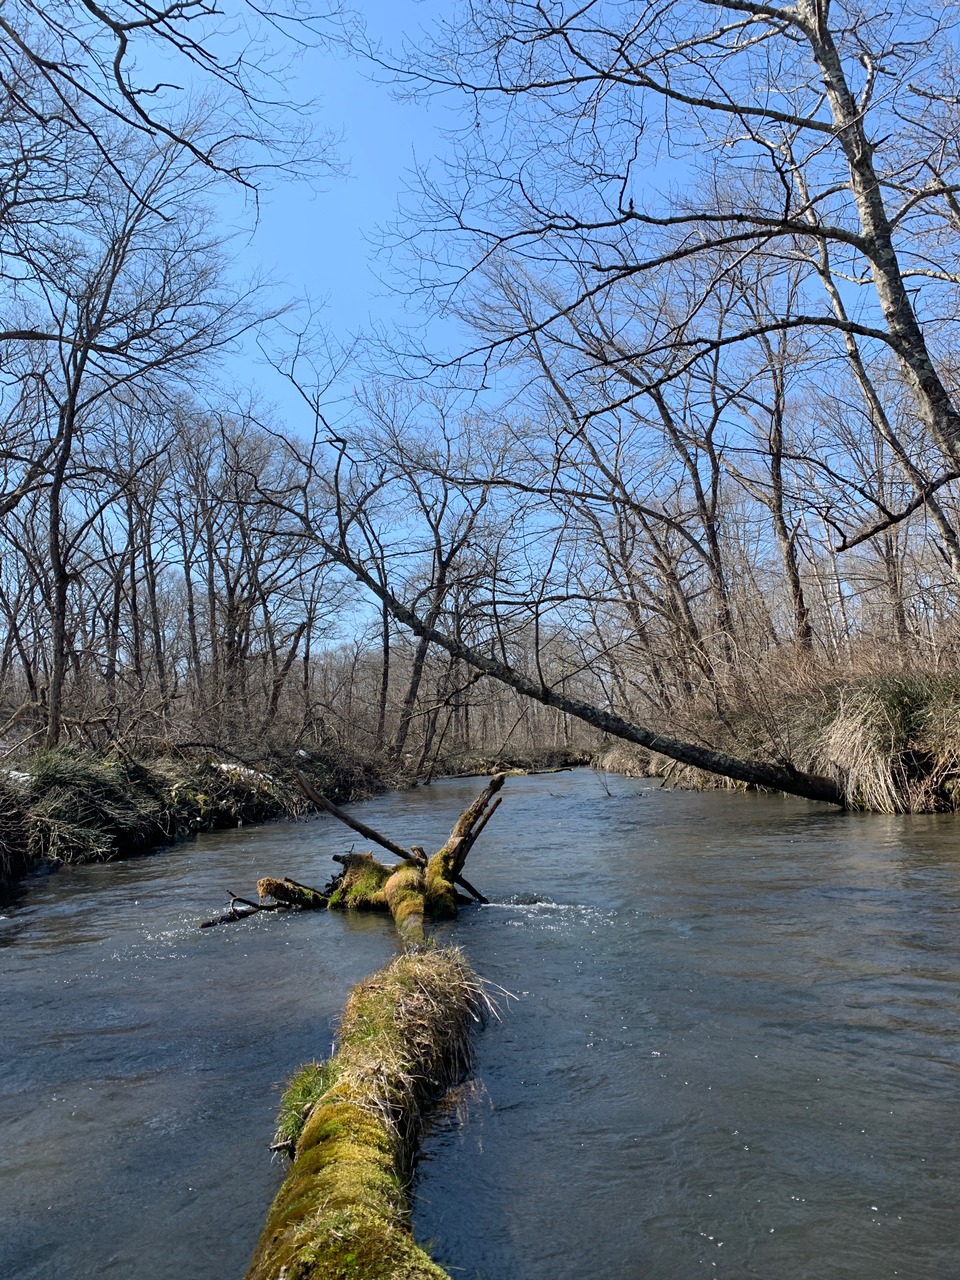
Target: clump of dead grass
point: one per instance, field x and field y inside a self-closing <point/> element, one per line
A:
<point x="890" y="740"/>
<point x="85" y="808"/>
<point x="354" y="1123"/>
<point x="14" y="835"/>
<point x="71" y="806"/>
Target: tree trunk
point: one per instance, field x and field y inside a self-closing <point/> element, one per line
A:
<point x="778" y="777"/>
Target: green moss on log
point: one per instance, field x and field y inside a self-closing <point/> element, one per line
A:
<point x="292" y="892"/>
<point x="343" y="1210"/>
<point x="441" y="895"/>
<point x="367" y="885"/>
<point x="361" y="884"/>
<point x="404" y="894"/>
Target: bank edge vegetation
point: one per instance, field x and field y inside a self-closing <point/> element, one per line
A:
<point x="690" y="480"/>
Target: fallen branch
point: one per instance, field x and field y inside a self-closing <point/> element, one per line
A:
<point x="475" y="893"/>
<point x="252" y="908"/>
<point x="368" y="833"/>
<point x="446" y="865"/>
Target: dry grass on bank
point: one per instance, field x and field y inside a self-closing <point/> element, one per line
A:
<point x="892" y="741"/>
<point x="354" y="1122"/>
<point x="68" y="806"/>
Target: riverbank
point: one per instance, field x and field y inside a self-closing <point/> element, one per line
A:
<point x="482" y="764"/>
<point x="67" y="806"/>
<point x="890" y="741"/>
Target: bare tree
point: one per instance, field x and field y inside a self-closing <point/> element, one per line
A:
<point x="72" y="65"/>
<point x="124" y="309"/>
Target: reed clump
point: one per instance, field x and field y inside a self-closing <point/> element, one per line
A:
<point x="353" y="1124"/>
<point x="891" y="741"/>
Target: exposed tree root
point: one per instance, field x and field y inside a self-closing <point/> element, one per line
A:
<point x="414" y="890"/>
<point x="353" y="1124"/>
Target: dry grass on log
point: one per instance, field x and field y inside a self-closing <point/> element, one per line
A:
<point x="354" y="1123"/>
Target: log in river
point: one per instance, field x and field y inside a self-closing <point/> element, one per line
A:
<point x="733" y="1052"/>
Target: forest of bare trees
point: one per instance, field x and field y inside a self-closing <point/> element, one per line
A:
<point x="690" y="478"/>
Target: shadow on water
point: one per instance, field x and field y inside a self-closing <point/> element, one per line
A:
<point x="733" y="1050"/>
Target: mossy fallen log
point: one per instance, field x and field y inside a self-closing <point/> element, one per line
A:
<point x="353" y="1124"/>
<point x="414" y="890"/>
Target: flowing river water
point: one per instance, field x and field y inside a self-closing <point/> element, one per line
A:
<point x="733" y="1050"/>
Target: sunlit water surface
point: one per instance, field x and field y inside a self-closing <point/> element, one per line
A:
<point x="733" y="1050"/>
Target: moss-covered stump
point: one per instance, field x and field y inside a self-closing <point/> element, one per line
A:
<point x="413" y="890"/>
<point x="419" y="887"/>
<point x="353" y="1124"/>
<point x="445" y="868"/>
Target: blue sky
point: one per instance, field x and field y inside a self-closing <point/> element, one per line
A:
<point x="321" y="243"/>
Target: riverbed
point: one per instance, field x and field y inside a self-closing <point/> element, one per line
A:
<point x="730" y="1049"/>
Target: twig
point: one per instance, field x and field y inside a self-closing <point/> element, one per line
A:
<point x="310" y="791"/>
<point x="470" y="889"/>
<point x="233" y="914"/>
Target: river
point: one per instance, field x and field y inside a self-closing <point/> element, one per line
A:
<point x="732" y="1051"/>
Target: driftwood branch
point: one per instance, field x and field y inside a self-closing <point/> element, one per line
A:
<point x="251" y="909"/>
<point x="475" y="834"/>
<point x="361" y="828"/>
<point x="469" y="825"/>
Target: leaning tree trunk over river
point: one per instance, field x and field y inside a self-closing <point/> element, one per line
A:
<point x="778" y="777"/>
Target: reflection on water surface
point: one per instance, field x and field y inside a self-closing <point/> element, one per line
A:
<point x="733" y="1050"/>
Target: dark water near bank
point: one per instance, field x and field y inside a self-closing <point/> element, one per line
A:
<point x="734" y="1050"/>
